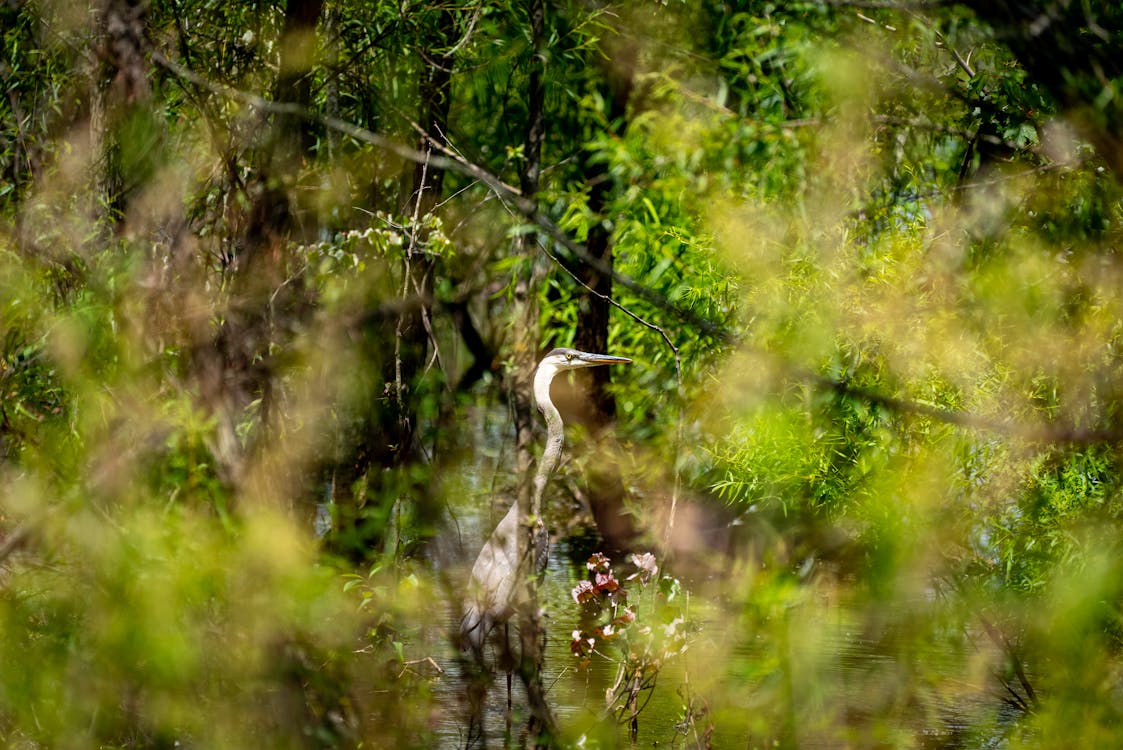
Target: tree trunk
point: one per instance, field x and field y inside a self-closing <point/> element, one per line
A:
<point x="542" y="726"/>
<point x="618" y="70"/>
<point x="121" y="93"/>
<point x="294" y="136"/>
<point x="411" y="335"/>
<point x="606" y="492"/>
<point x="381" y="434"/>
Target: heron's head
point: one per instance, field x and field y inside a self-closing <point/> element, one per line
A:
<point x="560" y="360"/>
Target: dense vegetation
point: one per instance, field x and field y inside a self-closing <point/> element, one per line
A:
<point x="274" y="275"/>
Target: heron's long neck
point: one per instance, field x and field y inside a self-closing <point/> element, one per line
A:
<point x="555" y="435"/>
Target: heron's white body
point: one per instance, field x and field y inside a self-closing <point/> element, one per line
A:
<point x="491" y="592"/>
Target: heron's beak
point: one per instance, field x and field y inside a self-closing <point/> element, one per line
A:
<point x="591" y="360"/>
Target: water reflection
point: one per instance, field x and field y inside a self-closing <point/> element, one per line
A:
<point x="828" y="671"/>
<point x="844" y="686"/>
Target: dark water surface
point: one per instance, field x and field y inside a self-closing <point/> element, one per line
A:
<point x="830" y="681"/>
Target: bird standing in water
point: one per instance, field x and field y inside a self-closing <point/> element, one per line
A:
<point x="494" y="584"/>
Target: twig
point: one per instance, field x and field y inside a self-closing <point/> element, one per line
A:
<point x="1002" y="641"/>
<point x="677" y="486"/>
<point x="425" y="660"/>
<point x="1031" y="433"/>
<point x="468" y="33"/>
<point x="647" y="324"/>
<point x="869" y="20"/>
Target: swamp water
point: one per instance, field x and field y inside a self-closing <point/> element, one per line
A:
<point x="829" y="679"/>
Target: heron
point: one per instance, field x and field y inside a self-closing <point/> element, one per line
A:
<point x="494" y="584"/>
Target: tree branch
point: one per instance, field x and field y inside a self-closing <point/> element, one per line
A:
<point x="449" y="161"/>
<point x="446" y="159"/>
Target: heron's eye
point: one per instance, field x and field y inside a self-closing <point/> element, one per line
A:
<point x="569" y="357"/>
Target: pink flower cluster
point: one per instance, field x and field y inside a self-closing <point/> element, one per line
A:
<point x="604" y="590"/>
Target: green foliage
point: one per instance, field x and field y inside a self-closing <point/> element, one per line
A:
<point x="900" y="426"/>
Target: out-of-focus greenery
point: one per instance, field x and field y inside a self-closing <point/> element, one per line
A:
<point x="891" y="448"/>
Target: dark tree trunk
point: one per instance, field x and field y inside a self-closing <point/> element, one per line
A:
<point x="618" y="71"/>
<point x="411" y="333"/>
<point x="532" y="635"/>
<point x="121" y="97"/>
<point x="295" y="136"/>
<point x="606" y="492"/>
<point x="413" y="330"/>
<point x="412" y="336"/>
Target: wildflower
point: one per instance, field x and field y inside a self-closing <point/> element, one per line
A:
<point x="646" y="567"/>
<point x="582" y="644"/>
<point x="584" y="592"/>
<point x="606" y="582"/>
<point x="598" y="562"/>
